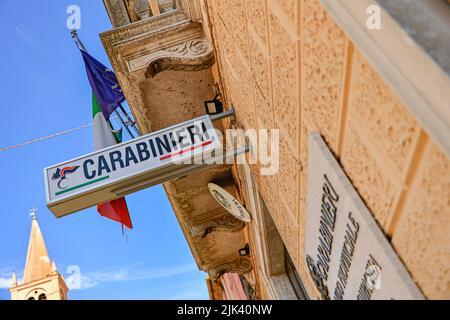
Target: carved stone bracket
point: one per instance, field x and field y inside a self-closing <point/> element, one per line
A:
<point x="192" y="55"/>
<point x="225" y="222"/>
<point x="238" y="265"/>
<point x="187" y="195"/>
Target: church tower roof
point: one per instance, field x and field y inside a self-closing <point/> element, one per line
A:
<point x="38" y="263"/>
<point x="41" y="280"/>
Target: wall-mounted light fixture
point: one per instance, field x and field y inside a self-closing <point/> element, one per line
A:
<point x="245" y="251"/>
<point x="214" y="106"/>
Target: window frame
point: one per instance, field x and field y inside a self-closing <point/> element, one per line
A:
<point x="274" y="273"/>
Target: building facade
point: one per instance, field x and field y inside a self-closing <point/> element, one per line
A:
<point x="369" y="78"/>
<point x="41" y="280"/>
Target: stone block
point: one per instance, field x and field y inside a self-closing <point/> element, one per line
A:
<point x="422" y="235"/>
<point x="391" y="127"/>
<point x="323" y="58"/>
<point x="284" y="81"/>
<point x="373" y="183"/>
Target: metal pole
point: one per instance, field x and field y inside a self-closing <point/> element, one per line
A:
<point x="132" y="123"/>
<point x="123" y="123"/>
<point x="77" y="40"/>
<point x="225" y="114"/>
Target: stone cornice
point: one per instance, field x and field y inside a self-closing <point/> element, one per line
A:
<point x="35" y="283"/>
<point x="223" y="221"/>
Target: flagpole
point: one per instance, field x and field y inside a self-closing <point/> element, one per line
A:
<point x="81" y="46"/>
<point x="124" y="124"/>
<point x="132" y="123"/>
<point x="77" y="40"/>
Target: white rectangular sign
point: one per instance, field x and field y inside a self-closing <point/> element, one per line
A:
<point x="112" y="172"/>
<point x="347" y="254"/>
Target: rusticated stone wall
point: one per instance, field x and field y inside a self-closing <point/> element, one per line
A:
<point x="286" y="64"/>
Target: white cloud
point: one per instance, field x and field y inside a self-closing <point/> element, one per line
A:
<point x="86" y="280"/>
<point x="84" y="283"/>
<point x="5" y="282"/>
<point x="6" y="277"/>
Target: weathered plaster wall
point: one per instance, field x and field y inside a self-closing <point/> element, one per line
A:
<point x="172" y="97"/>
<point x="286" y="64"/>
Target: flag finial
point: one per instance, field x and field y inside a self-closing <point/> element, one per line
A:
<point x="33" y="212"/>
<point x="77" y="40"/>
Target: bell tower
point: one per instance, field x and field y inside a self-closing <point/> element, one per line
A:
<point x="41" y="281"/>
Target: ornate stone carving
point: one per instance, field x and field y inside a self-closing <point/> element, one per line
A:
<point x="148" y="29"/>
<point x="238" y="265"/>
<point x="192" y="47"/>
<point x="192" y="55"/>
<point x="225" y="221"/>
<point x="184" y="196"/>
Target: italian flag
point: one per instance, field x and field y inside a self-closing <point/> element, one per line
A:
<point x="104" y="136"/>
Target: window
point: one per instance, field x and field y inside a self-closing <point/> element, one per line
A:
<point x="249" y="292"/>
<point x="279" y="261"/>
<point x="42" y="296"/>
<point x="277" y="267"/>
<point x="294" y="278"/>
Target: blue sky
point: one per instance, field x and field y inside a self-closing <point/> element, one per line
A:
<point x="45" y="90"/>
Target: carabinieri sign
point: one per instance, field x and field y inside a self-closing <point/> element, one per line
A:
<point x="124" y="168"/>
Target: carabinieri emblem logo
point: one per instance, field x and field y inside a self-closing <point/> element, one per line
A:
<point x="62" y="174"/>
